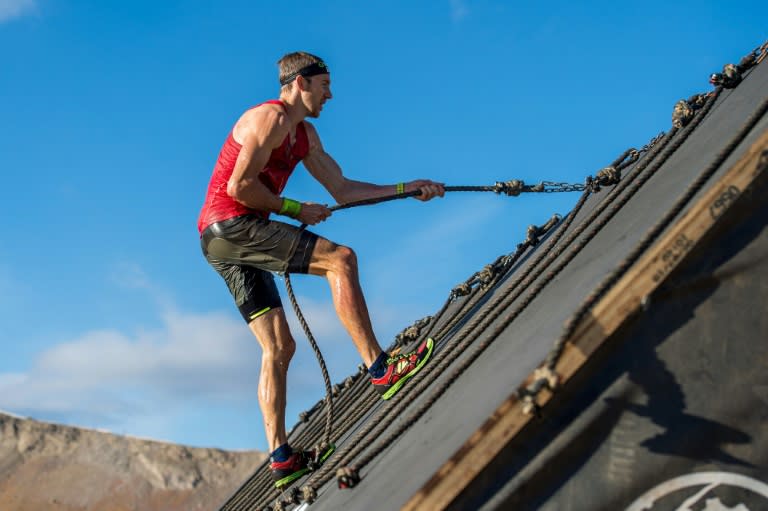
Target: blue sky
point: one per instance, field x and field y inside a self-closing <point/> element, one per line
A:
<point x="113" y="114"/>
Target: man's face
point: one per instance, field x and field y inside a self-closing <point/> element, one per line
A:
<point x="317" y="92"/>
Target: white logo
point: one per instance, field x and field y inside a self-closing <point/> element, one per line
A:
<point x="700" y="488"/>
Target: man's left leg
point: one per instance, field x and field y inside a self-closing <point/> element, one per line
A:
<point x="338" y="264"/>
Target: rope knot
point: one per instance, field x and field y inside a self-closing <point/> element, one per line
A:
<point x="461" y="290"/>
<point x="347" y="477"/>
<point x="412" y="332"/>
<point x="532" y="236"/>
<point x="542" y="377"/>
<point x="309" y="493"/>
<point x="295" y="496"/>
<point x="486" y="275"/>
<point x="609" y="176"/>
<point x="512" y="188"/>
<point x="547" y="375"/>
<point x="682" y="114"/>
<point x="731" y="75"/>
<point x="685" y="109"/>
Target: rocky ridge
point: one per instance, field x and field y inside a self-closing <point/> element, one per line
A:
<point x="53" y="467"/>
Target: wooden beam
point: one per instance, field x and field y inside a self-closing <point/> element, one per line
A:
<point x="619" y="303"/>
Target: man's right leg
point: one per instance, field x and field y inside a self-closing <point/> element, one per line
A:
<point x="277" y="349"/>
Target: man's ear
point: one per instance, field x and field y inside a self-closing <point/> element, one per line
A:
<point x="302" y="82"/>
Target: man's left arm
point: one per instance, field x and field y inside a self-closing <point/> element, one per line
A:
<point x="325" y="169"/>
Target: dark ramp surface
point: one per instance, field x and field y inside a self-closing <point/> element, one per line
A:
<point x="623" y="423"/>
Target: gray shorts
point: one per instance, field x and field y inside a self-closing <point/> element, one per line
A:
<point x="246" y="249"/>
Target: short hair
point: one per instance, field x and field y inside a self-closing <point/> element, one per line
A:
<point x="291" y="62"/>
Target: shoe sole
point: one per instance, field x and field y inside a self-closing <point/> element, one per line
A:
<point x="286" y="481"/>
<point x="394" y="388"/>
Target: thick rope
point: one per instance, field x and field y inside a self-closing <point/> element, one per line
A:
<point x="323" y="368"/>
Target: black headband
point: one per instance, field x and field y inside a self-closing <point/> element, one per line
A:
<point x="316" y="68"/>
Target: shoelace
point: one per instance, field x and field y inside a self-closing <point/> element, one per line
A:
<point x="399" y="356"/>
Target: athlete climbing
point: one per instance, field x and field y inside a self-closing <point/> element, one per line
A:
<point x="244" y="246"/>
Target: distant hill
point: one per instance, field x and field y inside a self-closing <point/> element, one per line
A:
<point x="52" y="467"/>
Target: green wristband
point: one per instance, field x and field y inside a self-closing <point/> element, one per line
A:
<point x="400" y="187"/>
<point x="290" y="208"/>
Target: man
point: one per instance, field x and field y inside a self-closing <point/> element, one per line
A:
<point x="244" y="246"/>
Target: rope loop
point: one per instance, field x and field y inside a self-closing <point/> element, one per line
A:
<point x="347" y="477"/>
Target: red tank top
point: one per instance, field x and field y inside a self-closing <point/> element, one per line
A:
<point x="220" y="206"/>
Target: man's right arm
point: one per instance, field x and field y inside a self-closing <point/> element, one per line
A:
<point x="261" y="131"/>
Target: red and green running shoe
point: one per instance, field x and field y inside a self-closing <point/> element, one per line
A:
<point x="401" y="367"/>
<point x="287" y="472"/>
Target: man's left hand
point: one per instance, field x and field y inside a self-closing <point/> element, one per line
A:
<point x="429" y="189"/>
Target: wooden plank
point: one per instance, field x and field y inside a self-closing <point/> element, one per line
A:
<point x="619" y="303"/>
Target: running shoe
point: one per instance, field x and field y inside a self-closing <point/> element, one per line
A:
<point x="285" y="473"/>
<point x="401" y="367"/>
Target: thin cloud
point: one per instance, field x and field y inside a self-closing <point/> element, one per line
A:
<point x="10" y="9"/>
<point x="152" y="378"/>
<point x="110" y="373"/>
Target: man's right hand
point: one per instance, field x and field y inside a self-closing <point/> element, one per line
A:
<point x="312" y="213"/>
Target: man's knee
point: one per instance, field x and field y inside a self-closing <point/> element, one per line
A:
<point x="281" y="350"/>
<point x="345" y="259"/>
<point x="274" y="336"/>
